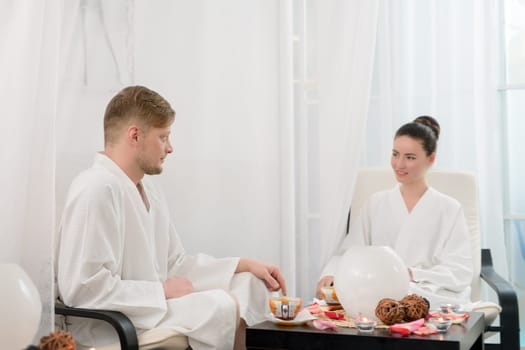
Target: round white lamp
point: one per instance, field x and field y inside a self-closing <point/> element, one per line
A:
<point x="20" y="307"/>
<point x="367" y="274"/>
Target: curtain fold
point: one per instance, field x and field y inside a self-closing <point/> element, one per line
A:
<point x="440" y="58"/>
<point x="29" y="61"/>
<point x="345" y="45"/>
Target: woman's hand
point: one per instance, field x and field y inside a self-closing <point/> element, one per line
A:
<point x="269" y="274"/>
<point x="325" y="281"/>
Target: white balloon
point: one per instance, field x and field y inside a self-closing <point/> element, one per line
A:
<point x="367" y="274"/>
<point x="20" y="308"/>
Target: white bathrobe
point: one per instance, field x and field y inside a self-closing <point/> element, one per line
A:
<point x="115" y="254"/>
<point x="432" y="240"/>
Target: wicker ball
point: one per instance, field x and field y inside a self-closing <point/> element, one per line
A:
<point x="58" y="340"/>
<point x="415" y="306"/>
<point x="390" y="311"/>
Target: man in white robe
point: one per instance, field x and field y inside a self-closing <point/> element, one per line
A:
<point x="118" y="248"/>
<point x="432" y="240"/>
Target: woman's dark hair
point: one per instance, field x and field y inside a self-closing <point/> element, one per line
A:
<point x="423" y="128"/>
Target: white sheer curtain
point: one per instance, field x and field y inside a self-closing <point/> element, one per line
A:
<point x="218" y="63"/>
<point x="226" y="68"/>
<point x="221" y="71"/>
<point x="439" y="58"/>
<point x="97" y="60"/>
<point x="345" y="35"/>
<point x="29" y="47"/>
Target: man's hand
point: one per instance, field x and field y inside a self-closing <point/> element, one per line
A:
<point x="269" y="274"/>
<point x="326" y="281"/>
<point x="176" y="286"/>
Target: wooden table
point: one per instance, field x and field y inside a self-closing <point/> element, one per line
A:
<point x="267" y="335"/>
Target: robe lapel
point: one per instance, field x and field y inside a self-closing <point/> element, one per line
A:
<point x="411" y="225"/>
<point x="396" y="217"/>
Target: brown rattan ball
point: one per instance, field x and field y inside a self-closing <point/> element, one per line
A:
<point x="416" y="307"/>
<point x="58" y="340"/>
<point x="390" y="311"/>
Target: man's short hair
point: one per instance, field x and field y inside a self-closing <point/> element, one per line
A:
<point x="136" y="104"/>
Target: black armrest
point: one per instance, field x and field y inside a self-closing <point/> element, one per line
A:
<point x="126" y="331"/>
<point x="509" y="316"/>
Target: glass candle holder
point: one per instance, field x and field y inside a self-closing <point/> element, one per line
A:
<point x="365" y="325"/>
<point x="446" y="308"/>
<point x="442" y="324"/>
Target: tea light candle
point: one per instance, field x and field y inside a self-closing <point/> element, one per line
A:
<point x="441" y="324"/>
<point x="364" y="324"/>
<point x="449" y="308"/>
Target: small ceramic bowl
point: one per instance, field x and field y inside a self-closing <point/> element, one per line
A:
<point x="329" y="295"/>
<point x="285" y="308"/>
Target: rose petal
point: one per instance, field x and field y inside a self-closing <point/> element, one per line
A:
<point x="324" y="324"/>
<point x="425" y="331"/>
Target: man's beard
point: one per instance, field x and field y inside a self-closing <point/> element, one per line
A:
<point x="148" y="169"/>
<point x="152" y="170"/>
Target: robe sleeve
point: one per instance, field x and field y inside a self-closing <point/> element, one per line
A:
<point x="90" y="252"/>
<point x="452" y="263"/>
<point x="204" y="271"/>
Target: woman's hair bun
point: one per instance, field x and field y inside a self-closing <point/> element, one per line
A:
<point x="430" y="122"/>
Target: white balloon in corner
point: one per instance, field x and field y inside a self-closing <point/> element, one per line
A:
<point x="20" y="308"/>
<point x="367" y="274"/>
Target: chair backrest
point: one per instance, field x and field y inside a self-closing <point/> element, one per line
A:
<point x="459" y="185"/>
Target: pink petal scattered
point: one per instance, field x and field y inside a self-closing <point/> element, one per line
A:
<point x="407" y="328"/>
<point x="334" y="315"/>
<point x="455" y="317"/>
<point x="412" y="326"/>
<point x="425" y="331"/>
<point x="314" y="309"/>
<point x="324" y="324"/>
<point x="400" y="329"/>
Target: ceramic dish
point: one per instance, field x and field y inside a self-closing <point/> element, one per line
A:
<point x="302" y="317"/>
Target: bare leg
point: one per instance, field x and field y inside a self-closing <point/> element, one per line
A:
<point x="240" y="336"/>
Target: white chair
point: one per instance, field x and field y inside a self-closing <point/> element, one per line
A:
<point x="128" y="339"/>
<point x="463" y="187"/>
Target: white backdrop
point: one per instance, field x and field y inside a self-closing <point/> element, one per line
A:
<point x="218" y="64"/>
<point x="236" y="180"/>
<point x="242" y="179"/>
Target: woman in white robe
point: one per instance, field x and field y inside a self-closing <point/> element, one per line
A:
<point x="118" y="249"/>
<point x="426" y="228"/>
